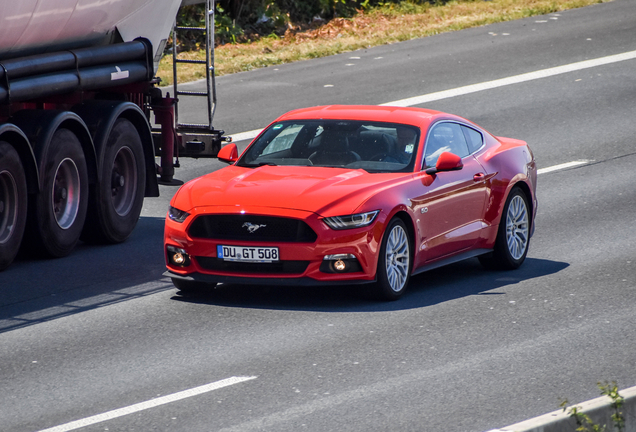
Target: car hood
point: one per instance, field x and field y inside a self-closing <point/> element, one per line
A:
<point x="324" y="191"/>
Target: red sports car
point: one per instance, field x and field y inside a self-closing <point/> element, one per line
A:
<point x="354" y="194"/>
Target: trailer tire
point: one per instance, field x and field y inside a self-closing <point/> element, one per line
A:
<point x="59" y="209"/>
<point x="116" y="200"/>
<point x="13" y="203"/>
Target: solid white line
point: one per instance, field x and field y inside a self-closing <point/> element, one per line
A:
<point x="473" y="88"/>
<point x="598" y="408"/>
<point x="516" y="79"/>
<point x="148" y="404"/>
<point x="562" y="166"/>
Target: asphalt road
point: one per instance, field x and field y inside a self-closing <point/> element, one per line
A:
<point x="465" y="350"/>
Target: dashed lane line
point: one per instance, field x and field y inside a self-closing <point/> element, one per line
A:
<point x="147" y="404"/>
<point x="562" y="166"/>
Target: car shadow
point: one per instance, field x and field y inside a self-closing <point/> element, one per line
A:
<point x="433" y="287"/>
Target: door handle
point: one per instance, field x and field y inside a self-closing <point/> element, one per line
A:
<point x="479" y="176"/>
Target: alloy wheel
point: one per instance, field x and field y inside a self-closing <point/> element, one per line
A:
<point x="517" y="227"/>
<point x="397" y="258"/>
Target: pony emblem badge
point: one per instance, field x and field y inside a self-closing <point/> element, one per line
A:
<point x="252" y="227"/>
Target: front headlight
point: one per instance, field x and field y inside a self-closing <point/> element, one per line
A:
<point x="177" y="215"/>
<point x="351" y="221"/>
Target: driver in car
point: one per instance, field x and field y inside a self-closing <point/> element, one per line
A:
<point x="404" y="148"/>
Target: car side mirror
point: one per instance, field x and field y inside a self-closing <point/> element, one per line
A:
<point x="228" y="154"/>
<point x="446" y="162"/>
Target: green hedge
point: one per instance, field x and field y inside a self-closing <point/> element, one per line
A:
<point x="243" y="20"/>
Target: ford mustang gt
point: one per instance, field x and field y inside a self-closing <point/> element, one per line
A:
<point x="354" y="194"/>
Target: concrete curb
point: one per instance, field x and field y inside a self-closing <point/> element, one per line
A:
<point x="599" y="410"/>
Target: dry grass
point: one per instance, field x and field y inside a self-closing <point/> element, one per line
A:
<point x="377" y="27"/>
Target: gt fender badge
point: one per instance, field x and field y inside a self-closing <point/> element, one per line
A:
<point x="424" y="209"/>
<point x="252" y="227"/>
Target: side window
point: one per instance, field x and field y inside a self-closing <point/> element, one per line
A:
<point x="475" y="139"/>
<point x="444" y="137"/>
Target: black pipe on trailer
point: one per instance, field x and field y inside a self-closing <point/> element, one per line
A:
<point x="51" y="74"/>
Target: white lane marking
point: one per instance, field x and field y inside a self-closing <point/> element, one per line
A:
<point x="249" y="135"/>
<point x="148" y="404"/>
<point x="516" y="79"/>
<point x="473" y="88"/>
<point x="562" y="166"/>
<point x="560" y="419"/>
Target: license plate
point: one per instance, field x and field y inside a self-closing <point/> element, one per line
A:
<point x="247" y="253"/>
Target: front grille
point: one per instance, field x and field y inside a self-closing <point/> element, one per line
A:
<point x="263" y="229"/>
<point x="279" y="267"/>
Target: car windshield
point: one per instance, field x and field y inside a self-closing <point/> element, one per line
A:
<point x="371" y="146"/>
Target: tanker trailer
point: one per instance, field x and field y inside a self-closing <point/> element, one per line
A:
<point x="78" y="95"/>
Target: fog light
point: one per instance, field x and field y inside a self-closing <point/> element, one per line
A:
<point x="177" y="257"/>
<point x="339" y="265"/>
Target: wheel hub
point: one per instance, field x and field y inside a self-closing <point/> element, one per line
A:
<point x="66" y="193"/>
<point x="61" y="193"/>
<point x="123" y="181"/>
<point x="118" y="181"/>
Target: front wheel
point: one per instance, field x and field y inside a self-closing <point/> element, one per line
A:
<point x="513" y="236"/>
<point x="394" y="262"/>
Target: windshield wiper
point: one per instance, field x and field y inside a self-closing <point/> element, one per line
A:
<point x="260" y="164"/>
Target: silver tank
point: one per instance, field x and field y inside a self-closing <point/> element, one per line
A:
<point x="37" y="26"/>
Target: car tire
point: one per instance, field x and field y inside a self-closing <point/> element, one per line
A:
<point x="513" y="235"/>
<point x="192" y="287"/>
<point x="394" y="262"/>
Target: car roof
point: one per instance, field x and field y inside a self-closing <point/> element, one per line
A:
<point x="390" y="114"/>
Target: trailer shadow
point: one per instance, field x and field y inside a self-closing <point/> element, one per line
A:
<point x="37" y="290"/>
<point x="458" y="280"/>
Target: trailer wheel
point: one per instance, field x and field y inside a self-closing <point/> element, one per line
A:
<point x="60" y="207"/>
<point x="116" y="201"/>
<point x="13" y="203"/>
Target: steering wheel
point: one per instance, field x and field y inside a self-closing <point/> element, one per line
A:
<point x="379" y="157"/>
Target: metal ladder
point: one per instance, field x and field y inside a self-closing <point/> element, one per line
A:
<point x="210" y="94"/>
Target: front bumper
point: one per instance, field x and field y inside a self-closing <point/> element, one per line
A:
<point x="291" y="281"/>
<point x="304" y="259"/>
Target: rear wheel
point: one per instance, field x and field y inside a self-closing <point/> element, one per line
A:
<point x="13" y="203"/>
<point x="59" y="212"/>
<point x="513" y="236"/>
<point x="394" y="262"/>
<point x="116" y="201"/>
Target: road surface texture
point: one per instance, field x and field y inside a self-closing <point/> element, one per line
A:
<point x="464" y="350"/>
